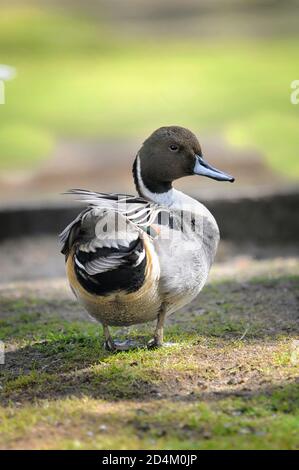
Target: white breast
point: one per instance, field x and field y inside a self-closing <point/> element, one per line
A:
<point x="185" y="261"/>
<point x="186" y="256"/>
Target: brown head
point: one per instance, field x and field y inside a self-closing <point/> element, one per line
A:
<point x="170" y="153"/>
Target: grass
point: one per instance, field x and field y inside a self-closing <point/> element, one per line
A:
<point x="230" y="380"/>
<point x="90" y="83"/>
<point x="259" y="422"/>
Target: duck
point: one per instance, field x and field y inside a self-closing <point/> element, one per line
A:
<point x="134" y="259"/>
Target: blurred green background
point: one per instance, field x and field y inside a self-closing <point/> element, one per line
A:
<point x="105" y="71"/>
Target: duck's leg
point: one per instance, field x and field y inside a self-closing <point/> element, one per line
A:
<point x="113" y="346"/>
<point x="109" y="343"/>
<point x="157" y="340"/>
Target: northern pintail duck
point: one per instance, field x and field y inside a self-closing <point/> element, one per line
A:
<point x="133" y="259"/>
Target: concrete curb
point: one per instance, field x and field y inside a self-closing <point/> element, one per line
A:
<point x="267" y="219"/>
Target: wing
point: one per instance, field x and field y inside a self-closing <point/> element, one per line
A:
<point x="106" y="241"/>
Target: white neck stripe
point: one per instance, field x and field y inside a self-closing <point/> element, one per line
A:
<point x="165" y="199"/>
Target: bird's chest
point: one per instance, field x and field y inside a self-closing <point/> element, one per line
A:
<point x="185" y="256"/>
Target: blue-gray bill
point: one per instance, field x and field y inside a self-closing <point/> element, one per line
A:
<point x="203" y="168"/>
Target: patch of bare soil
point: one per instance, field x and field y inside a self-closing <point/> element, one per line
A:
<point x="236" y="338"/>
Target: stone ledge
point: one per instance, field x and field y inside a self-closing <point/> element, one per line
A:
<point x="271" y="218"/>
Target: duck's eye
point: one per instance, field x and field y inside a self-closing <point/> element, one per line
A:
<point x="173" y="147"/>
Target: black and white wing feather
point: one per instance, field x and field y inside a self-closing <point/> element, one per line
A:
<point x="107" y="240"/>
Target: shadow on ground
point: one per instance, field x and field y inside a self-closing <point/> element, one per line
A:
<point x="231" y="380"/>
<point x="235" y="339"/>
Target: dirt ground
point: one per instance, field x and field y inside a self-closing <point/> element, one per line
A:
<point x="230" y="380"/>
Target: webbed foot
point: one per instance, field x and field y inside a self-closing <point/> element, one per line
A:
<point x="109" y="345"/>
<point x="154" y="343"/>
<point x="115" y="345"/>
<point x="126" y="345"/>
